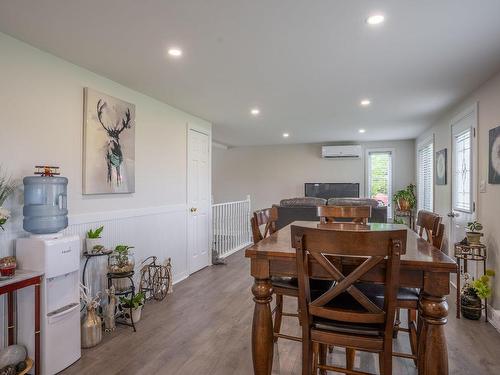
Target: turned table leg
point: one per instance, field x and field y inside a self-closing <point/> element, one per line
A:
<point x="262" y="327"/>
<point x="432" y="349"/>
<point x="458" y="288"/>
<point x="10" y="318"/>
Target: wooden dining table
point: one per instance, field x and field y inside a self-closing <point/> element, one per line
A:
<point x="422" y="266"/>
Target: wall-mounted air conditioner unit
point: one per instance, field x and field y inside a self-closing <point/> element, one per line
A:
<point x="341" y="152"/>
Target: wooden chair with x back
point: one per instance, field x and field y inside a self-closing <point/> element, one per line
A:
<point x="354" y="214"/>
<point x="282" y="286"/>
<point x="345" y="315"/>
<point x="429" y="224"/>
<point x="438" y="240"/>
<point x="267" y="217"/>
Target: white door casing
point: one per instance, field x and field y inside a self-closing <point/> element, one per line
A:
<point x="198" y="199"/>
<point x="463" y="175"/>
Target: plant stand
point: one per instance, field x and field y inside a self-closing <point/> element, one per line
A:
<point x="88" y="256"/>
<point x="475" y="253"/>
<point x="408" y="216"/>
<point x="130" y="291"/>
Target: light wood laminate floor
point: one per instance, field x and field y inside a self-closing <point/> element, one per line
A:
<point x="204" y="328"/>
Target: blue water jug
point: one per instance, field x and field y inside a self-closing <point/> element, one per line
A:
<point x="45" y="204"/>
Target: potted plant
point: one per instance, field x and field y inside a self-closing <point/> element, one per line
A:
<point x="472" y="294"/>
<point x="136" y="303"/>
<point x="93" y="239"/>
<point x="473" y="233"/>
<point x="405" y="198"/>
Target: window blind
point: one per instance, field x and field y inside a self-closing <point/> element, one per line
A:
<point x="425" y="177"/>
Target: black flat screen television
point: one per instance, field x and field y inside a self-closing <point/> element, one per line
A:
<point x="332" y="190"/>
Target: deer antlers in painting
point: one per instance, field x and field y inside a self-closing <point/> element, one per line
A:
<point x="114" y="154"/>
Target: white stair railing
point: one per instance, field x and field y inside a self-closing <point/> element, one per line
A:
<point x="230" y="228"/>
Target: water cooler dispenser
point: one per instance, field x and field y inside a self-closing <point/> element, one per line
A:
<point x="58" y="257"/>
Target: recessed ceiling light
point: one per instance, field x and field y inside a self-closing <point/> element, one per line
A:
<point x="375" y="19"/>
<point x="362" y="130"/>
<point x="365" y="102"/>
<point x="175" y="52"/>
<point x="255" y="111"/>
<point x="286" y="135"/>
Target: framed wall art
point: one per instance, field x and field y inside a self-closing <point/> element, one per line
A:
<point x="108" y="144"/>
<point x="494" y="156"/>
<point x="442" y="167"/>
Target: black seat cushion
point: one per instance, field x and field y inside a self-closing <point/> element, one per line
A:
<point x="377" y="291"/>
<point x="350" y="328"/>
<point x="317" y="286"/>
<point x="285" y="282"/>
<point x="346" y="302"/>
<point x="408" y="294"/>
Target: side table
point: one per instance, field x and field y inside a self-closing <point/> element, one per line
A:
<point x="20" y="280"/>
<point x="465" y="253"/>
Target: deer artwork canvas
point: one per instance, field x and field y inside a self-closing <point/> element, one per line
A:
<point x="109" y="144"/>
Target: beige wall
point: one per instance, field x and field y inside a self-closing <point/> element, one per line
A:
<point x="271" y="173"/>
<point x="41" y="121"/>
<point x="488" y="203"/>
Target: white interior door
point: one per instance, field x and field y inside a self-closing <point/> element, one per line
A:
<point x="463" y="174"/>
<point x="198" y="200"/>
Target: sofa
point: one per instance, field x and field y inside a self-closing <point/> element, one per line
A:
<point x="305" y="209"/>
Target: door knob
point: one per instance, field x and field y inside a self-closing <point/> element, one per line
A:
<point x="452" y="214"/>
<point x="193" y="209"/>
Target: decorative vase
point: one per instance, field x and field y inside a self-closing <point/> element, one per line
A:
<point x="470" y="306"/>
<point x="404" y="205"/>
<point x="91" y="328"/>
<point x="8" y="266"/>
<point x="474" y="238"/>
<point x="91" y="243"/>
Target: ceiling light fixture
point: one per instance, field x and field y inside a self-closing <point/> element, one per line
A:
<point x="255" y="111"/>
<point x="365" y="102"/>
<point x="375" y="19"/>
<point x="175" y="52"/>
<point x="362" y="131"/>
<point x="286" y="135"/>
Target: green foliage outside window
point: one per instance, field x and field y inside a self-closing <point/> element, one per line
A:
<point x="379" y="170"/>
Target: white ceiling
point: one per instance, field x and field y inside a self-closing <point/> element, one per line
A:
<point x="305" y="64"/>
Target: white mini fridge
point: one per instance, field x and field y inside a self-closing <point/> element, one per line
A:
<point x="58" y="257"/>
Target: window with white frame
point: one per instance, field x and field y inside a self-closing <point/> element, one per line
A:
<point x="425" y="175"/>
<point x="379" y="177"/>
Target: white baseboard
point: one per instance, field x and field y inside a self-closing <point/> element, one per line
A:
<point x="494" y="317"/>
<point x="180" y="277"/>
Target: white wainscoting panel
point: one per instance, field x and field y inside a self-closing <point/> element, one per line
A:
<point x="159" y="231"/>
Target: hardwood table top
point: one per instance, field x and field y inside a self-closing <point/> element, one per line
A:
<point x="419" y="253"/>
